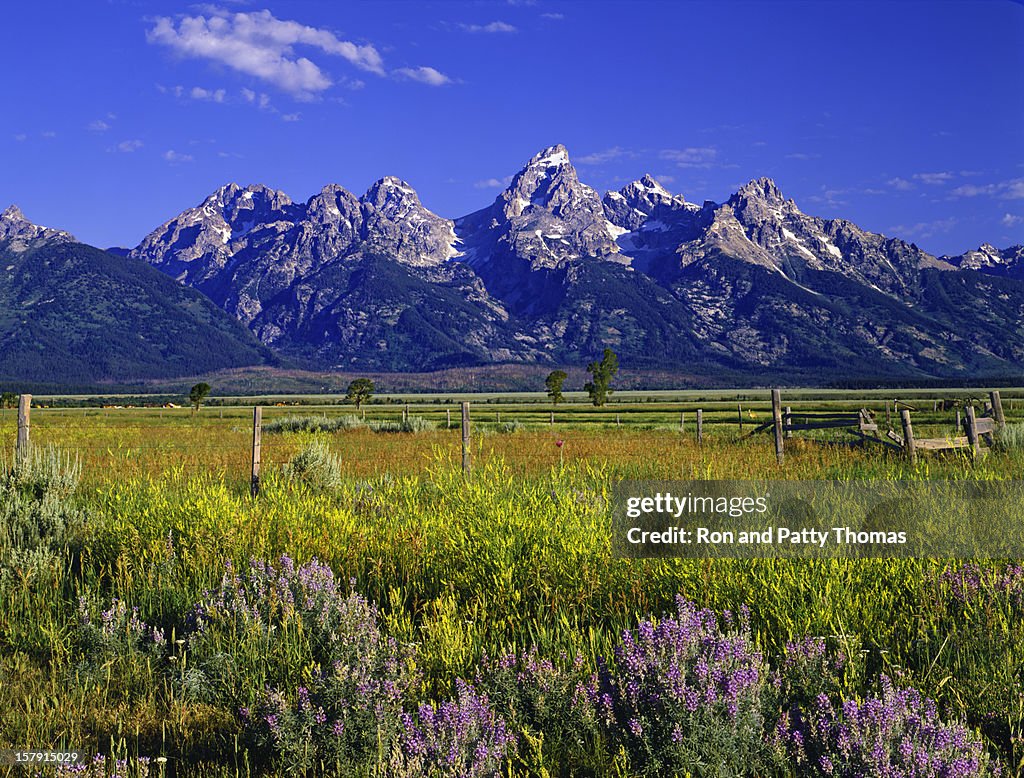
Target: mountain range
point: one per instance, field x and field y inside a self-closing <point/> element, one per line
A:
<point x="74" y="316"/>
<point x="551" y="272"/>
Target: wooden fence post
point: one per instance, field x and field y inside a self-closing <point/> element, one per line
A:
<point x="682" y="422"/>
<point x="465" y="439"/>
<point x="448" y="418"/>
<point x="24" y="418"/>
<point x="908" y="436"/>
<point x="257" y="434"/>
<point x="405" y="413"/>
<point x="700" y="426"/>
<point x="997" y="408"/>
<point x="972" y="432"/>
<point x="618" y="420"/>
<point x="777" y="423"/>
<point x="552" y="417"/>
<point x="787" y="421"/>
<point x="739" y="415"/>
<point x="958" y="424"/>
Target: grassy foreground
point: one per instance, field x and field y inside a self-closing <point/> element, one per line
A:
<point x="133" y="622"/>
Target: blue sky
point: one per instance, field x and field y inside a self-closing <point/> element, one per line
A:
<point x="904" y="117"/>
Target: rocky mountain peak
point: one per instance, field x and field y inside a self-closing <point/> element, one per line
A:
<point x="763" y="190"/>
<point x="12" y="213"/>
<point x="631" y="206"/>
<point x="552" y="156"/>
<point x="391" y="191"/>
<point x="549" y="183"/>
<point x="20" y="231"/>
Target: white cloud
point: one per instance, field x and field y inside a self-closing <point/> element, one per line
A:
<point x="21" y="137"/>
<point x="900" y="184"/>
<point x="98" y="126"/>
<point x="175" y="157"/>
<point x="1011" y="220"/>
<point x="555" y="17"/>
<point x="607" y="155"/>
<point x="49" y="134"/>
<point x="492" y="27"/>
<point x="128" y="146"/>
<point x="691" y="157"/>
<point x="260" y="45"/>
<point x="1012" y="189"/>
<point x="493" y="183"/>
<point x="933" y="179"/>
<point x="924" y="229"/>
<point x="424" y="75"/>
<point x="291" y="117"/>
<point x="213" y="95"/>
<point x="802" y="156"/>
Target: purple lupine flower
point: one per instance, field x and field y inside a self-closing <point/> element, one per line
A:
<point x="677" y="678"/>
<point x="896" y="734"/>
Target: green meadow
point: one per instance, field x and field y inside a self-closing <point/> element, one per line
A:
<point x="124" y="517"/>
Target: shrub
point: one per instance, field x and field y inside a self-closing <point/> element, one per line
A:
<point x="684" y="693"/>
<point x="316" y="466"/>
<point x="460" y="738"/>
<point x="896" y="734"/>
<point x="1010" y="438"/>
<point x="808" y="669"/>
<point x="412" y="424"/>
<point x="253" y="631"/>
<point x="312" y="424"/>
<point x="37" y="518"/>
<point x="553" y="703"/>
<point x="117" y="633"/>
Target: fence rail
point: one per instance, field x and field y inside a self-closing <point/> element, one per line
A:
<point x="233" y="438"/>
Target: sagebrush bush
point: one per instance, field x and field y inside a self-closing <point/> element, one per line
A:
<point x="37" y="517"/>
<point x="313" y="424"/>
<point x="248" y="637"/>
<point x="412" y="424"/>
<point x="1010" y="438"/>
<point x="316" y="466"/>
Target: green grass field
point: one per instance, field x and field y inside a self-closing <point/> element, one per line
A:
<point x="463" y="571"/>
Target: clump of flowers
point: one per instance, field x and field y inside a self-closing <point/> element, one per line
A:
<point x="685" y="692"/>
<point x="556" y="702"/>
<point x="969" y="581"/>
<point x="116" y="632"/>
<point x="101" y="766"/>
<point x="896" y="735"/>
<point x="261" y="621"/>
<point x="808" y="669"/>
<point x="460" y="738"/>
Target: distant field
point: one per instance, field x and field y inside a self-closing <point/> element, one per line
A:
<point x="652" y="429"/>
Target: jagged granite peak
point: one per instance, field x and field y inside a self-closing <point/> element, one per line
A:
<point x="546" y="218"/>
<point x="396" y="224"/>
<point x="632" y="205"/>
<point x="988" y="259"/>
<point x="21" y="233"/>
<point x="762" y="189"/>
